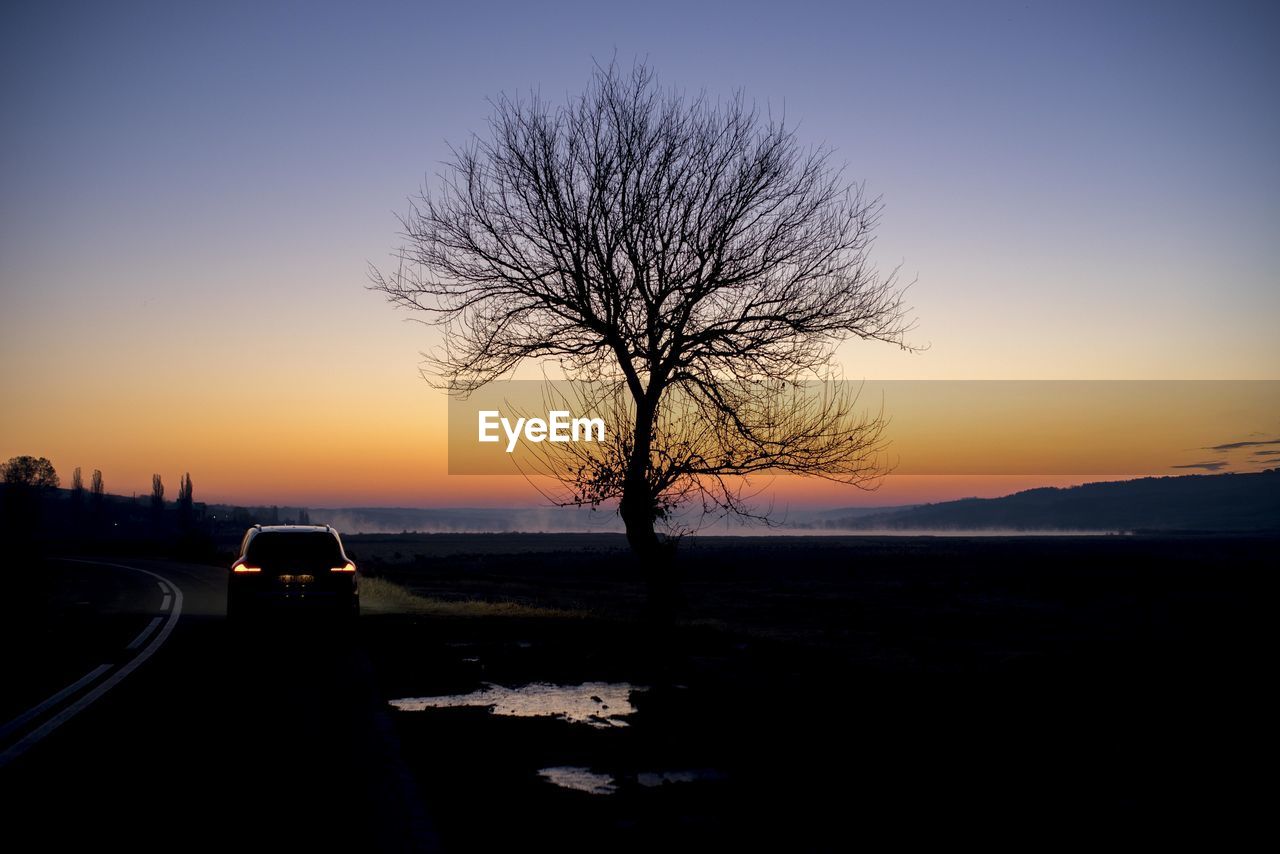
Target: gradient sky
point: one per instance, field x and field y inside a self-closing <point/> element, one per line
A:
<point x="190" y="195"/>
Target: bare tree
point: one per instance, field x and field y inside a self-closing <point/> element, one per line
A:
<point x="77" y="500"/>
<point x="157" y="498"/>
<point x="185" y="501"/>
<point x="26" y="482"/>
<point x="669" y="248"/>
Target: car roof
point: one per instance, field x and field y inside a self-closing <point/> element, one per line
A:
<point x="295" y="529"/>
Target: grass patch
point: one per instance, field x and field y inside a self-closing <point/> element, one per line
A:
<point x="380" y="596"/>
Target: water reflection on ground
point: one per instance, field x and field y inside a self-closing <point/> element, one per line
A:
<point x="582" y="779"/>
<point x="603" y="705"/>
<point x="653" y="779"/>
<point x="579" y="779"/>
<point x="598" y="704"/>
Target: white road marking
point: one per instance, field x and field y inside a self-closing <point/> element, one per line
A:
<point x="164" y="603"/>
<point x="32" y="738"/>
<point x="39" y="709"/>
<point x="163" y="587"/>
<point x="142" y="635"/>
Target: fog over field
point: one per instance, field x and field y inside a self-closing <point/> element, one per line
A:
<point x="467" y="520"/>
<point x="1223" y="502"/>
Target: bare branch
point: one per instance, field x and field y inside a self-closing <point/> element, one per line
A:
<point x="689" y="254"/>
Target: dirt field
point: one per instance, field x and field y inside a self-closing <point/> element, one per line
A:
<point x="818" y="690"/>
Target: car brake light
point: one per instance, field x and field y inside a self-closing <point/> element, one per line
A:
<point x="244" y="567"/>
<point x="346" y="567"/>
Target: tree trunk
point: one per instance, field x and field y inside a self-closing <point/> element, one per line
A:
<point x="639" y="509"/>
<point x="657" y="557"/>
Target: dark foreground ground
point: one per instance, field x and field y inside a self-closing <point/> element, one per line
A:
<point x="815" y="694"/>
<point x="822" y="689"/>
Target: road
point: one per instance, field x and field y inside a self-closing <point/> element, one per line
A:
<point x="1118" y="685"/>
<point x="136" y="714"/>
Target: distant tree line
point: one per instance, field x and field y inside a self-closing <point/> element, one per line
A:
<point x="36" y="510"/>
<point x="36" y="513"/>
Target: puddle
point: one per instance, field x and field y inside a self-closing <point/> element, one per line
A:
<point x="653" y="779"/>
<point x="597" y="704"/>
<point x="579" y="779"/>
<point x="594" y="783"/>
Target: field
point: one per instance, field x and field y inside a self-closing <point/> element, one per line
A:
<point x="817" y="687"/>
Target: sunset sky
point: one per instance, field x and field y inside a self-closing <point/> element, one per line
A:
<point x="191" y="196"/>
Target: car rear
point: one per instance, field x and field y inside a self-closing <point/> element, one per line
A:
<point x="296" y="568"/>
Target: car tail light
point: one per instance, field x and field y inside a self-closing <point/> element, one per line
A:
<point x="346" y="567"/>
<point x="244" y="567"/>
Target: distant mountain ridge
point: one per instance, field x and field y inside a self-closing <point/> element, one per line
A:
<point x="1198" y="502"/>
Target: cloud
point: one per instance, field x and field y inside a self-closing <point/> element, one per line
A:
<point x="1211" y="465"/>
<point x="1266" y="453"/>
<point x="1231" y="446"/>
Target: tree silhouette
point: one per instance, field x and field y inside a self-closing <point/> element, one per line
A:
<point x="157" y="501"/>
<point x="26" y="480"/>
<point x="684" y="257"/>
<point x="77" y="501"/>
<point x="29" y="472"/>
<point x="185" y="502"/>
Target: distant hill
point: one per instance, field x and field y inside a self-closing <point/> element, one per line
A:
<point x="1198" y="502"/>
<point x="819" y="518"/>
<point x="392" y="520"/>
<point x="1207" y="502"/>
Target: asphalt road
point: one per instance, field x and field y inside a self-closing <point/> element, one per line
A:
<point x="135" y="714"/>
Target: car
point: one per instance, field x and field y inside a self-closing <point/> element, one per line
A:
<point x="302" y="567"/>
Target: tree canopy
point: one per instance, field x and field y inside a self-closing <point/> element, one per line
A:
<point x="30" y="471"/>
<point x="690" y="255"/>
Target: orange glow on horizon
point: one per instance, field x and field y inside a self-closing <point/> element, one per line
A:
<point x="382" y="443"/>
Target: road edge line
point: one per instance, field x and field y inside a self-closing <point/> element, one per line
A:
<point x="34" y="737"/>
